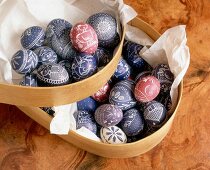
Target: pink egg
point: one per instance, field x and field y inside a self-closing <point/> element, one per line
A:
<point x="102" y="94"/>
<point x="84" y="38"/>
<point x="147" y="89"/>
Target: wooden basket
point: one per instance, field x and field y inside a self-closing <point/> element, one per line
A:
<point x="110" y="150"/>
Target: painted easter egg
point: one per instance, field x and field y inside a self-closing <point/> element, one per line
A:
<point x="108" y="115"/>
<point x="141" y="75"/>
<point x="88" y="104"/>
<point x="102" y="56"/>
<point x="24" y="61"/>
<point x="30" y="79"/>
<point x="147" y="89"/>
<point x="84" y="38"/>
<point x="102" y="94"/>
<point x="33" y="37"/>
<point x="52" y="75"/>
<point x="67" y="65"/>
<point x="83" y="66"/>
<point x="85" y="119"/>
<point x="132" y="123"/>
<point x="112" y="135"/>
<point x="110" y="43"/>
<point x="122" y="95"/>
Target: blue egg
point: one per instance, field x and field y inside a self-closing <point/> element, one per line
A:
<point x="33" y="37"/>
<point x="85" y="119"/>
<point x="52" y="75"/>
<point x="56" y="28"/>
<point x="110" y="43"/>
<point x="24" y="61"/>
<point x="165" y="99"/>
<point x="132" y="123"/>
<point x="123" y="70"/>
<point x="122" y="95"/>
<point x="29" y="80"/>
<point x="83" y="66"/>
<point x="67" y="65"/>
<point x="154" y="113"/>
<point x="104" y="24"/>
<point x="88" y="104"/>
<point x="131" y="53"/>
<point x="102" y="56"/>
<point x="46" y="55"/>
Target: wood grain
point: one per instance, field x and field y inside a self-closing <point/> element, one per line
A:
<point x="26" y="145"/>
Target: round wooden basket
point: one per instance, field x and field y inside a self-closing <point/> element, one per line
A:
<point x="110" y="150"/>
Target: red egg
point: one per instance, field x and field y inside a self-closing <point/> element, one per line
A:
<point x="147" y="89"/>
<point x="84" y="38"/>
<point x="102" y="94"/>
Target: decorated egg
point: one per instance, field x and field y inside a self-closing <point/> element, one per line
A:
<point x="24" y="61"/>
<point x="85" y="119"/>
<point x="102" y="94"/>
<point x="154" y="113"/>
<point x="63" y="47"/>
<point x="102" y="56"/>
<point x="165" y="99"/>
<point x="88" y="104"/>
<point x="49" y="110"/>
<point x="46" y="55"/>
<point x="122" y="95"/>
<point x="132" y="56"/>
<point x="108" y="115"/>
<point x="123" y="70"/>
<point x="83" y="66"/>
<point x="163" y="73"/>
<point x="33" y="37"/>
<point x="52" y="75"/>
<point x="56" y="28"/>
<point x="84" y="38"/>
<point x="132" y="123"/>
<point x="110" y="43"/>
<point x="141" y="75"/>
<point x="112" y="135"/>
<point x="29" y="79"/>
<point x="147" y="89"/>
<point x="67" y="65"/>
<point x="104" y="24"/>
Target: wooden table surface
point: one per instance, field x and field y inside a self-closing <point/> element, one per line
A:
<point x="26" y="145"/>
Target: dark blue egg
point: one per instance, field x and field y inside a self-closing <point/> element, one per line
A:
<point x="122" y="95"/>
<point x="132" y="123"/>
<point x="24" y="61"/>
<point x="85" y="119"/>
<point x="83" y="66"/>
<point x="123" y="70"/>
<point x="56" y="28"/>
<point x="49" y="110"/>
<point x="165" y="99"/>
<point x="67" y="65"/>
<point x="52" y="75"/>
<point x="131" y="53"/>
<point x="104" y="24"/>
<point x="63" y="47"/>
<point x="154" y="113"/>
<point x="102" y="56"/>
<point x="46" y="55"/>
<point x="88" y="104"/>
<point x="163" y="73"/>
<point x="30" y="79"/>
<point x="33" y="37"/>
<point x="110" y="43"/>
<point x="141" y="75"/>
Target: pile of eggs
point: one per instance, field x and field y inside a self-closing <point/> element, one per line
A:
<point x="63" y="53"/>
<point x="132" y="105"/>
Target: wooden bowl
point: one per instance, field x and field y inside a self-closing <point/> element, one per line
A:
<point x="110" y="150"/>
<point x="60" y="95"/>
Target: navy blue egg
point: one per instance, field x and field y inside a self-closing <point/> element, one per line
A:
<point x="63" y="47"/>
<point x="110" y="43"/>
<point x="56" y="28"/>
<point x="163" y="73"/>
<point x="46" y="55"/>
<point x="85" y="119"/>
<point x="102" y="56"/>
<point x="154" y="113"/>
<point x="33" y="37"/>
<point x="24" y="61"/>
<point x="141" y="75"/>
<point x="165" y="99"/>
<point x="123" y="70"/>
<point x="132" y="123"/>
<point x="122" y="95"/>
<point x="30" y="79"/>
<point x="49" y="110"/>
<point x="52" y="75"/>
<point x="88" y="104"/>
<point x="67" y="65"/>
<point x="104" y="25"/>
<point x="83" y="66"/>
